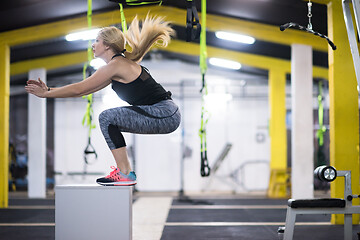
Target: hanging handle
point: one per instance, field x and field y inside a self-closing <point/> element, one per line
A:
<point x="192" y="20"/>
<point x="89" y="150"/>
<point x="205" y="168"/>
<point x="297" y="26"/>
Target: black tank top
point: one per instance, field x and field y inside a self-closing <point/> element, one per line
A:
<point x="144" y="90"/>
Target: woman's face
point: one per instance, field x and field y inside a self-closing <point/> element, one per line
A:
<point x="98" y="47"/>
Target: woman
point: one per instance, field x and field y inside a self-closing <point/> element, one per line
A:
<point x="152" y="110"/>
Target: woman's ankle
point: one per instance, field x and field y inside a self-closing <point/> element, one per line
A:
<point x="124" y="171"/>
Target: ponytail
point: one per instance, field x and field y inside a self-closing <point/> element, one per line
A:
<point x="154" y="31"/>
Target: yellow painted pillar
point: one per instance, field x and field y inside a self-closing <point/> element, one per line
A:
<point x="4" y="123"/>
<point x="277" y="128"/>
<point x="344" y="109"/>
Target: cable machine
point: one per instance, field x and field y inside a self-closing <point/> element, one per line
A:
<point x="353" y="39"/>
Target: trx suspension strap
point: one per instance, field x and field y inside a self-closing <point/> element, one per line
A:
<point x="88" y="117"/>
<point x="192" y="19"/>
<point x="123" y="19"/>
<point x="131" y="3"/>
<point x="136" y="2"/>
<point x="322" y="129"/>
<point x="205" y="169"/>
<point x="122" y="15"/>
<point x="321" y="158"/>
<point x="308" y="28"/>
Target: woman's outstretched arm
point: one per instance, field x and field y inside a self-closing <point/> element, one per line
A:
<point x="100" y="79"/>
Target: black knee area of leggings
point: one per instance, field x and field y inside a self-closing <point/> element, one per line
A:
<point x="116" y="136"/>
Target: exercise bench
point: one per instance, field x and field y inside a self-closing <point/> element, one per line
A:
<point x="324" y="205"/>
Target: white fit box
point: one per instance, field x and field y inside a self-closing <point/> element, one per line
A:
<point x="93" y="212"/>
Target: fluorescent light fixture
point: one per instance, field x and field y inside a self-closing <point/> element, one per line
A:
<point x="96" y="63"/>
<point x="83" y="35"/>
<point x="235" y="37"/>
<point x="219" y="62"/>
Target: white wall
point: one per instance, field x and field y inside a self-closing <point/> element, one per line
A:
<point x="237" y="123"/>
<point x="71" y="139"/>
<point x="158" y="156"/>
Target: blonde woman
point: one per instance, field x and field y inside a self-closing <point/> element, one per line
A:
<point x="152" y="110"/>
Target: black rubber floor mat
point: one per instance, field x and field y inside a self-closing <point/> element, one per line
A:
<point x="27" y="216"/>
<point x="253" y="232"/>
<point x="238" y="215"/>
<point x="235" y="201"/>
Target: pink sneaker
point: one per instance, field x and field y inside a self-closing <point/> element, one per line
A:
<point x="117" y="178"/>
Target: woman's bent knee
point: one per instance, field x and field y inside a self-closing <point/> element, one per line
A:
<point x="104" y="117"/>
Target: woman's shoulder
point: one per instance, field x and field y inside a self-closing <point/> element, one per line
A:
<point x="124" y="71"/>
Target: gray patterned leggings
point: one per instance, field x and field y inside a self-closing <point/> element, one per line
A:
<point x="160" y="118"/>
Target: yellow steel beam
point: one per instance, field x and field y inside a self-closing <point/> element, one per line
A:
<point x="325" y="2"/>
<point x="266" y="32"/>
<point x="49" y="63"/>
<point x="260" y="31"/>
<point x="344" y="109"/>
<point x="277" y="128"/>
<point x="175" y="46"/>
<point x="4" y="123"/>
<point x="58" y="29"/>
<point x="248" y="59"/>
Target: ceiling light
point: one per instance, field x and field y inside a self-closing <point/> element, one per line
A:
<point x="225" y="63"/>
<point x="235" y="37"/>
<point x="83" y="35"/>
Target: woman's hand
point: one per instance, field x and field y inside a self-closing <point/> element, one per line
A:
<point x="38" y="88"/>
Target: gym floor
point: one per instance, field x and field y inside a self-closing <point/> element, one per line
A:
<point x="168" y="217"/>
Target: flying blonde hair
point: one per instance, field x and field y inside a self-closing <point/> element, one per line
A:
<point x="154" y="31"/>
